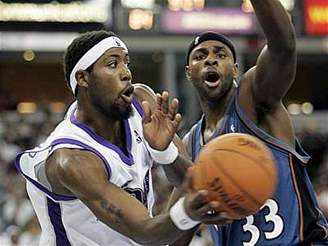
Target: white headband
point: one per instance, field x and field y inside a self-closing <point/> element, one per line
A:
<point x="93" y="55"/>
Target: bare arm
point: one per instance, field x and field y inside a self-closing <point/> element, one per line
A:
<point x="83" y="175"/>
<point x="175" y="172"/>
<point x="276" y="65"/>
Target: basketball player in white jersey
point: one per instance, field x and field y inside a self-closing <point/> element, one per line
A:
<point x="90" y="181"/>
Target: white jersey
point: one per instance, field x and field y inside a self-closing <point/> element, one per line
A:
<point x="65" y="220"/>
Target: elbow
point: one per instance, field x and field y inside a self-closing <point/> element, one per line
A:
<point x="285" y="43"/>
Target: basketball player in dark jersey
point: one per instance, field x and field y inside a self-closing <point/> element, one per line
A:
<point x="254" y="106"/>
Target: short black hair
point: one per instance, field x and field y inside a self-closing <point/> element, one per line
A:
<point x="205" y="36"/>
<point x="79" y="46"/>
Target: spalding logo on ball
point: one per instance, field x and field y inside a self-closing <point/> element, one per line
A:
<point x="239" y="171"/>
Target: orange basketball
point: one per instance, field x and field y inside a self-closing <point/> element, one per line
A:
<point x="239" y="171"/>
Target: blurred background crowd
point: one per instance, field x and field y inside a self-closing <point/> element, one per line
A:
<point x="34" y="96"/>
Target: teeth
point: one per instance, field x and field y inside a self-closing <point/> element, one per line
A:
<point x="212" y="84"/>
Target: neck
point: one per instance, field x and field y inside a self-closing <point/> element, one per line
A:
<point x="214" y="110"/>
<point x="108" y="128"/>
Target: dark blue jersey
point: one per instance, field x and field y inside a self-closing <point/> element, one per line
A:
<point x="292" y="215"/>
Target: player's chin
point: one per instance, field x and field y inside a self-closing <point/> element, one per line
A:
<point x="125" y="112"/>
<point x="218" y="92"/>
<point x="214" y="94"/>
<point x="120" y="111"/>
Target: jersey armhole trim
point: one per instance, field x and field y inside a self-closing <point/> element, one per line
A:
<point x="267" y="138"/>
<point x="297" y="191"/>
<point x="52" y="195"/>
<point x="87" y="147"/>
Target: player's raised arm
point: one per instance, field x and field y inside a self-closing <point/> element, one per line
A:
<point x="276" y="65"/>
<point x="82" y="174"/>
<point x="162" y="132"/>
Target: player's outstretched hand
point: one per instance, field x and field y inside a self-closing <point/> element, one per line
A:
<point x="161" y="125"/>
<point x="199" y="208"/>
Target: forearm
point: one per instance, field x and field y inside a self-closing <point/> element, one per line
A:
<point x="159" y="230"/>
<point x="136" y="224"/>
<point x="276" y="24"/>
<point x="176" y="171"/>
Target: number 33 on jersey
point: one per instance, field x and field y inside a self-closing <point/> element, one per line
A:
<point x="270" y="214"/>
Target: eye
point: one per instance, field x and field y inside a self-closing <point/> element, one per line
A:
<point x="222" y="55"/>
<point x="112" y="64"/>
<point x="199" y="57"/>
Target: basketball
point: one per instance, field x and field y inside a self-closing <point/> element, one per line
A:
<point x="239" y="171"/>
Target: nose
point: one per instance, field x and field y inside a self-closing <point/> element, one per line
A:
<point x="126" y="75"/>
<point x="210" y="61"/>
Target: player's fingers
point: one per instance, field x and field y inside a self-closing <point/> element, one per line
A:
<point x="217" y="221"/>
<point x="165" y="102"/>
<point x="198" y="199"/>
<point x="177" y="120"/>
<point x="158" y="101"/>
<point x="208" y="213"/>
<point x="147" y="112"/>
<point x="209" y="208"/>
<point x="216" y="218"/>
<point x="173" y="110"/>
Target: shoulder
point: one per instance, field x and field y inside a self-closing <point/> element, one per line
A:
<point x="251" y="105"/>
<point x="69" y="159"/>
<point x="249" y="75"/>
<point x="68" y="169"/>
<point x="250" y="101"/>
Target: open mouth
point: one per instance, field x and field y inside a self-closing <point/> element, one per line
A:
<point x="127" y="94"/>
<point x="212" y="79"/>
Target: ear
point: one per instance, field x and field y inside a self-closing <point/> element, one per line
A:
<point x="187" y="72"/>
<point x="235" y="70"/>
<point x="82" y="78"/>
